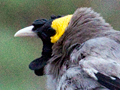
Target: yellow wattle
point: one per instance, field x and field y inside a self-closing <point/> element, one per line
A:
<point x="59" y="25"/>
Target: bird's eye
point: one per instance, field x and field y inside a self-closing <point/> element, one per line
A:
<point x="51" y="31"/>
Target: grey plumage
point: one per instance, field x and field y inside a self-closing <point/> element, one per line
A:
<point x="88" y="46"/>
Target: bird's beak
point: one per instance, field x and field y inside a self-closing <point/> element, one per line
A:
<point x="26" y="32"/>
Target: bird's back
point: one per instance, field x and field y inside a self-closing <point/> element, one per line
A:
<point x="65" y="64"/>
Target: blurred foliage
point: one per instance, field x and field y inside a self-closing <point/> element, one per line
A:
<point x="17" y="53"/>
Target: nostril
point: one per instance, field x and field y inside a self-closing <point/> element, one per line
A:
<point x="34" y="29"/>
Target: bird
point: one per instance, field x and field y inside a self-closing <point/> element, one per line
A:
<point x="80" y="51"/>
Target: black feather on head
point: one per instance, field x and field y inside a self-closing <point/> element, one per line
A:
<point x="43" y="29"/>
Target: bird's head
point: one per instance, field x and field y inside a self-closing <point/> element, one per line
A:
<point x="48" y="30"/>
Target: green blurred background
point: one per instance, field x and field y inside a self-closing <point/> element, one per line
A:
<point x="17" y="53"/>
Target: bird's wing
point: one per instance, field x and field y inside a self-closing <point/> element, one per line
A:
<point x="109" y="82"/>
<point x="100" y="59"/>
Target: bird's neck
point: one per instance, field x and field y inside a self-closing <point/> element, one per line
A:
<point x="85" y="24"/>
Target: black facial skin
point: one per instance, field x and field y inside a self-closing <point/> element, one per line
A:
<point x="43" y="29"/>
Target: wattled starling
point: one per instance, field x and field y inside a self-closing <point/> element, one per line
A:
<point x="80" y="51"/>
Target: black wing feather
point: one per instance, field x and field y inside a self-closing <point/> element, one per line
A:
<point x="112" y="84"/>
